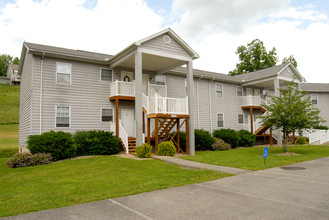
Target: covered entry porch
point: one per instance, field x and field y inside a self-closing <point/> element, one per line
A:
<point x="158" y="54"/>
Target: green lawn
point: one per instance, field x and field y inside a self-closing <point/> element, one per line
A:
<point x="78" y="181"/>
<point x="8" y="140"/>
<point x="252" y="158"/>
<point x="9" y="104"/>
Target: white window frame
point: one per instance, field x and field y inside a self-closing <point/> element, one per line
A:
<point x="217" y="92"/>
<point x="58" y="63"/>
<point x="317" y="98"/>
<point x="242" y="118"/>
<point x="101" y="118"/>
<point x="56" y="115"/>
<point x="165" y="80"/>
<point x="217" y="120"/>
<point x="100" y="75"/>
<point x="237" y="90"/>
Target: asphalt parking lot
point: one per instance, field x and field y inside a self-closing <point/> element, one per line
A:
<point x="299" y="191"/>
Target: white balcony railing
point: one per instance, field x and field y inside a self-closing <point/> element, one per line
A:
<point x="153" y="103"/>
<point x="121" y="88"/>
<point x="252" y="101"/>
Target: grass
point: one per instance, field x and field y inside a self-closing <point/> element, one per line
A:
<point x="252" y="158"/>
<point x="78" y="181"/>
<point x="9" y="102"/>
<point x="8" y="140"/>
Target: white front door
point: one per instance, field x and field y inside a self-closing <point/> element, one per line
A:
<point x="145" y="81"/>
<point x="256" y="92"/>
<point x="127" y="119"/>
<point x="127" y="76"/>
<point x="249" y="91"/>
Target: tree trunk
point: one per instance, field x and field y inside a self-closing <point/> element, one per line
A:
<point x="287" y="139"/>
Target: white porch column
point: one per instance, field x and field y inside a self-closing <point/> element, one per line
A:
<point x="277" y="93"/>
<point x="190" y="93"/>
<point x="138" y="98"/>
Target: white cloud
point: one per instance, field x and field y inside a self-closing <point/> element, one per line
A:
<point x="108" y="27"/>
<point x="199" y="18"/>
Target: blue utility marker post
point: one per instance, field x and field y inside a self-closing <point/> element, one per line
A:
<point x="265" y="154"/>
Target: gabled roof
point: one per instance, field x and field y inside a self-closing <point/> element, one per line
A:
<point x="315" y="87"/>
<point x="39" y="49"/>
<point x="271" y="71"/>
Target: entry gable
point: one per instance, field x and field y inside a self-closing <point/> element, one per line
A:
<point x="167" y="41"/>
<point x="290" y="73"/>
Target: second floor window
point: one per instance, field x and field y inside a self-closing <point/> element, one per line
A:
<point x="106" y="75"/>
<point x="239" y="91"/>
<point x="160" y="80"/>
<point x="63" y="71"/>
<point x="219" y="90"/>
<point x="314" y="99"/>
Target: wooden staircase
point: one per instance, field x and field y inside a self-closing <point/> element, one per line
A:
<point x="261" y="130"/>
<point x="166" y="125"/>
<point x="132" y="145"/>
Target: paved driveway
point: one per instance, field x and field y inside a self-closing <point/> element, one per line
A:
<point x="299" y="191"/>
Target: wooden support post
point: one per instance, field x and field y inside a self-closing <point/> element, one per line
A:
<point x="271" y="137"/>
<point x="149" y="131"/>
<point x="143" y="122"/>
<point x="251" y="122"/>
<point x="117" y="117"/>
<point x="178" y="137"/>
<point x="156" y="134"/>
<point x="187" y="136"/>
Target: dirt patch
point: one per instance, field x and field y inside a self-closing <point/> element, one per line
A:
<point x="130" y="156"/>
<point x="287" y="154"/>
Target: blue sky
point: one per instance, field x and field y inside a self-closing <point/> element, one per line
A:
<point x="214" y="28"/>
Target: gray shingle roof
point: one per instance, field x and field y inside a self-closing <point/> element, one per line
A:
<point x="68" y="52"/>
<point x="315" y="87"/>
<point x="272" y="71"/>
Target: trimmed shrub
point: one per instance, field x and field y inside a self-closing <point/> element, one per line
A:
<point x="27" y="160"/>
<point x="203" y="140"/>
<point x="166" y="148"/>
<point x="96" y="143"/>
<point x="301" y="140"/>
<point x="321" y="127"/>
<point x="246" y="138"/>
<point x="230" y="136"/>
<point x="59" y="144"/>
<point x="220" y="145"/>
<point x="144" y="151"/>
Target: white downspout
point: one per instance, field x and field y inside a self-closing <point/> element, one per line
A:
<point x="210" y="115"/>
<point x="41" y="74"/>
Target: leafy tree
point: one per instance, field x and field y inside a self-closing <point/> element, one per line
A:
<point x="16" y="61"/>
<point x="291" y="60"/>
<point x="292" y="111"/>
<point x="254" y="57"/>
<point x="5" y="60"/>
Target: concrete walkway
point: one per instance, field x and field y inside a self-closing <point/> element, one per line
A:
<point x="197" y="165"/>
<point x="299" y="191"/>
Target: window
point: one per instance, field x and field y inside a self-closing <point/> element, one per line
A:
<point x="107" y="115"/>
<point x="160" y="80"/>
<point x="314" y="99"/>
<point x="240" y="118"/>
<point x="220" y="120"/>
<point x="62" y="117"/>
<point x="239" y="91"/>
<point x="63" y="71"/>
<point x="219" y="90"/>
<point x="106" y="75"/>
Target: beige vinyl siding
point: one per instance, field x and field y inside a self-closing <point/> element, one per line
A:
<point x="158" y="44"/>
<point x="85" y="96"/>
<point x="25" y="103"/>
<point x="175" y="86"/>
<point x="323" y="106"/>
